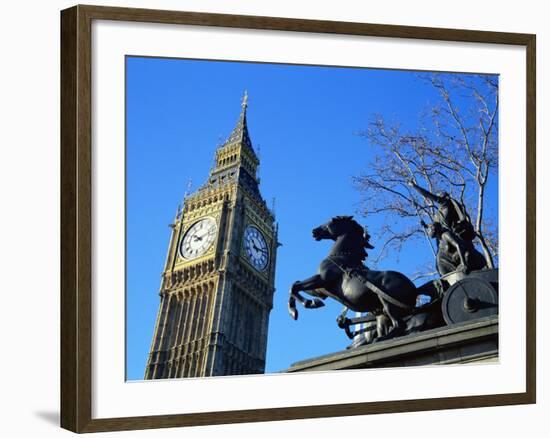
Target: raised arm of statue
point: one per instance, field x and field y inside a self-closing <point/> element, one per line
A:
<point x="426" y="193"/>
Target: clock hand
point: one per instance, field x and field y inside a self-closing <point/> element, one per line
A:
<point x="261" y="249"/>
<point x="203" y="234"/>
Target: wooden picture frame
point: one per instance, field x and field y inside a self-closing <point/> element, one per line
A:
<point x="76" y="217"/>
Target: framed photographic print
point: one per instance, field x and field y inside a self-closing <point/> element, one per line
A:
<point x="258" y="212"/>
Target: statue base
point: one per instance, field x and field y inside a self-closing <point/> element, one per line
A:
<point x="469" y="342"/>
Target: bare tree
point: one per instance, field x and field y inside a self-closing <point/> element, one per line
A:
<point x="455" y="150"/>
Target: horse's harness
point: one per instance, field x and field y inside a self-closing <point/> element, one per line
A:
<point x="381" y="294"/>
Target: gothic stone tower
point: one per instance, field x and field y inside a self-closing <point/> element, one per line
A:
<point x="218" y="282"/>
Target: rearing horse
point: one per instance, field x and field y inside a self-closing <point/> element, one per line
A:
<point x="343" y="277"/>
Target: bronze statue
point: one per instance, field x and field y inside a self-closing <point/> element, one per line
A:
<point x="454" y="253"/>
<point x="343" y="277"/>
<point x="465" y="291"/>
<point x="451" y="213"/>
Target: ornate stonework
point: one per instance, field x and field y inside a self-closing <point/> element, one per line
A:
<point x="216" y="291"/>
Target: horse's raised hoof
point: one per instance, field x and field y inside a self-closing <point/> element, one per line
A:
<point x="293" y="313"/>
<point x="313" y="304"/>
<point x="318" y="302"/>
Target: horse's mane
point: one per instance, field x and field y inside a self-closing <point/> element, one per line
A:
<point x="350" y="219"/>
<point x="358" y="228"/>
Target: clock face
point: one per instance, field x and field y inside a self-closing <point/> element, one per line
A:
<point x="198" y="238"/>
<point x="255" y="248"/>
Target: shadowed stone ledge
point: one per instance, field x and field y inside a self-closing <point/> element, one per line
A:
<point x="473" y="341"/>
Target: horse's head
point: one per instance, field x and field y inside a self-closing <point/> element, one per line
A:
<point x="339" y="226"/>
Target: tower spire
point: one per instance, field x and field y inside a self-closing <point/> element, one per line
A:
<point x="244" y="103"/>
<point x="240" y="132"/>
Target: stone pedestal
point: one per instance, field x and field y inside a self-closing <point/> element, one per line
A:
<point x="473" y="341"/>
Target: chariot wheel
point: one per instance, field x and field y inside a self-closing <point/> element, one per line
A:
<point x="468" y="299"/>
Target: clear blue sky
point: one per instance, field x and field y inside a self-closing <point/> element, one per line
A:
<point x="304" y="120"/>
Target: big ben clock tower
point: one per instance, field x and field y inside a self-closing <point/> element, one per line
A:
<point x="217" y="286"/>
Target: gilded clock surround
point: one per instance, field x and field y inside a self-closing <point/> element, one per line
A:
<point x="214" y="309"/>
